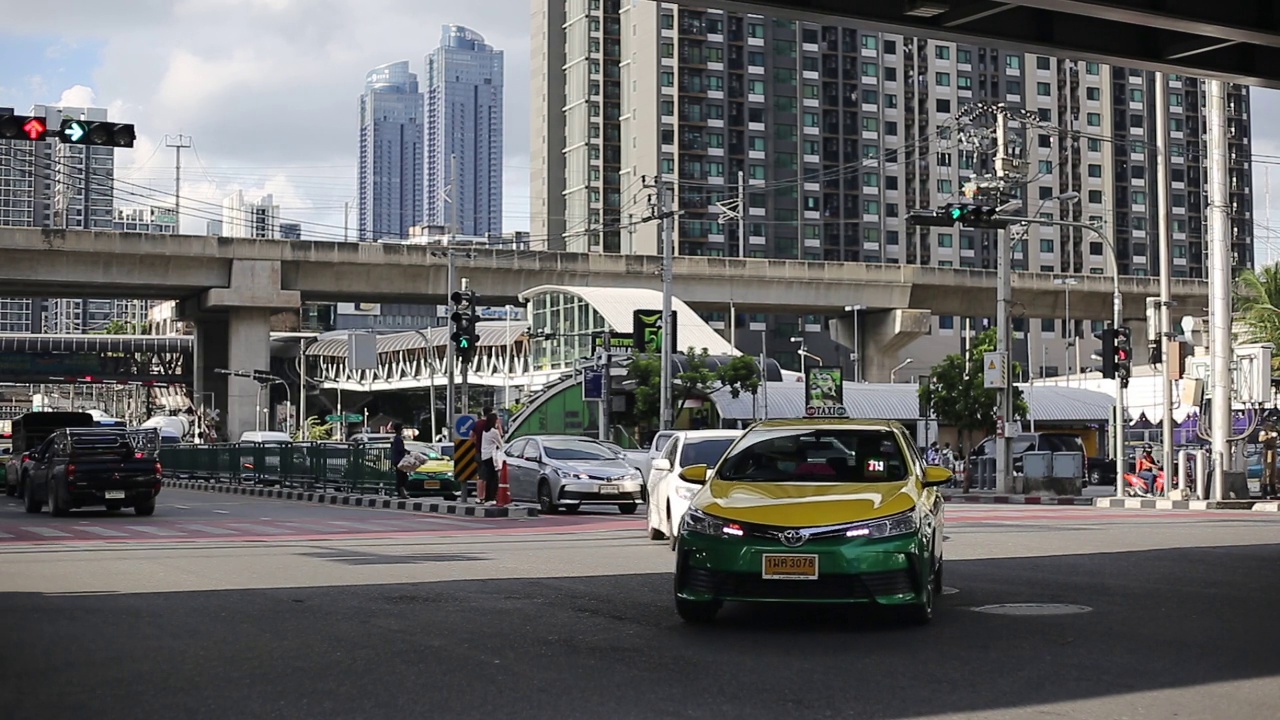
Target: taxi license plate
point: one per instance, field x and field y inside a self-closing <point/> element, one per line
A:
<point x="114" y="494"/>
<point x="608" y="489"/>
<point x="431" y="484"/>
<point x="790" y="567"/>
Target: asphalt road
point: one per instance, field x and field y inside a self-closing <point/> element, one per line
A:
<point x="575" y="621"/>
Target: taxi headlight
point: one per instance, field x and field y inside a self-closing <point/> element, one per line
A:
<point x="684" y="492"/>
<point x="902" y="524"/>
<point x="696" y="521"/>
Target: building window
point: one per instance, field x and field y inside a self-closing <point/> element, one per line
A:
<point x="756" y="143"/>
<point x="1095" y="170"/>
<point x="1139" y="197"/>
<point x="1135" y="95"/>
<point x="668" y="21"/>
<point x="668" y="108"/>
<point x="756" y="172"/>
<point x="870" y="124"/>
<point x="947" y="322"/>
<point x="1013" y="62"/>
<point x="891" y="128"/>
<point x="810" y="91"/>
<point x="1095" y="197"/>
<point x="667" y="79"/>
<point x="870" y="69"/>
<point x="870" y="207"/>
<point x="1091" y="68"/>
<point x="811" y="119"/>
<point x="942" y="52"/>
<point x="1046" y="245"/>
<point x="964" y="82"/>
<point x="1093" y="93"/>
<point x="890" y="101"/>
<point x="942" y="79"/>
<point x="1043" y="89"/>
<point x="1043" y="63"/>
<point x="1175" y="100"/>
<point x="870" y="42"/>
<point x="755" y="30"/>
<point x="944" y="186"/>
<point x="870" y="97"/>
<point x="964" y="57"/>
<point x="945" y="240"/>
<point x="1093" y="119"/>
<point x="1094" y="145"/>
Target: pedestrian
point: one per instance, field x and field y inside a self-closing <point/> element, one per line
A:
<point x="1269" y="437"/>
<point x="932" y="457"/>
<point x="490" y="443"/>
<point x="398" y="453"/>
<point x="477" y="438"/>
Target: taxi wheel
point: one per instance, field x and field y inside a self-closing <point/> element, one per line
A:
<point x="545" y="503"/>
<point x="656" y="534"/>
<point x="922" y="612"/>
<point x="697" y="612"/>
<point x="627" y="508"/>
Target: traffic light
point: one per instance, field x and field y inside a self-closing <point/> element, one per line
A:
<point x="971" y="215"/>
<point x="1124" y="355"/>
<point x="465" y="316"/>
<point x="23" y="127"/>
<point x="101" y="134"/>
<point x="1107" y="355"/>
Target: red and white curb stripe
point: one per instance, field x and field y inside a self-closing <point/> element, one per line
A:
<point x="1075" y="500"/>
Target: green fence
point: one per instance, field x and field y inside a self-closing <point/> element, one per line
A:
<point x="363" y="468"/>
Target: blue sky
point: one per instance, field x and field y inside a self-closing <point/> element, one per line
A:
<point x="47" y="65"/>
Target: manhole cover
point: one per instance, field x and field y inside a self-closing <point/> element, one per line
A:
<point x="1033" y="609"/>
<point x="946" y="590"/>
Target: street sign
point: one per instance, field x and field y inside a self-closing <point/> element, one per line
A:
<point x="995" y="369"/>
<point x="593" y="384"/>
<point x="463" y="425"/>
<point x="824" y="393"/>
<point x="349" y="417"/>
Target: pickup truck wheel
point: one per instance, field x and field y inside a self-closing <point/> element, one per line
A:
<point x="145" y="507"/>
<point x="55" y="507"/>
<point x="627" y="508"/>
<point x="29" y="502"/>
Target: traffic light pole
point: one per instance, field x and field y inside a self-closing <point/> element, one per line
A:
<point x="1004" y="334"/>
<point x="449" y="356"/>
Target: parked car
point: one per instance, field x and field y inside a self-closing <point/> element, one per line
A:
<point x="670" y="494"/>
<point x="839" y="511"/>
<point x="82" y="467"/>
<point x="569" y="472"/>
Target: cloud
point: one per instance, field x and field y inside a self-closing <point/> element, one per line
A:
<point x="271" y="86"/>
<point x="77" y="96"/>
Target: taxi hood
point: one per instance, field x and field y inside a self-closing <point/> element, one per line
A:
<point x="805" y="504"/>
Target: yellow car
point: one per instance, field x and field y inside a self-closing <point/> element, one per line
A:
<point x="434" y="478"/>
<point x="829" y="511"/>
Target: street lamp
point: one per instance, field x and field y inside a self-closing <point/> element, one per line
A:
<point x="803" y="351"/>
<point x="893" y="374"/>
<point x="856" y="355"/>
<point x="1072" y="341"/>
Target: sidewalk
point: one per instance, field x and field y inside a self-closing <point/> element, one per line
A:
<point x="424" y="505"/>
<point x="1115" y="503"/>
<point x="994" y="498"/>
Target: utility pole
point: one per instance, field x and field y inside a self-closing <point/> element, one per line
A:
<point x="1219" y="282"/>
<point x="1004" y="296"/>
<point x="465" y="398"/>
<point x="606" y="383"/>
<point x="178" y="144"/>
<point x="667" y="217"/>
<point x="449" y="355"/>
<point x="1164" y="338"/>
<point x="742" y="214"/>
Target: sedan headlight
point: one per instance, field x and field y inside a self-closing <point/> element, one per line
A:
<point x="572" y="475"/>
<point x="696" y="521"/>
<point x="902" y="524"/>
<point x="685" y="492"/>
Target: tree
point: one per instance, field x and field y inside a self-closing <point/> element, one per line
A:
<point x="317" y="430"/>
<point x="1257" y="306"/>
<point x="955" y="394"/>
<point x="699" y="380"/>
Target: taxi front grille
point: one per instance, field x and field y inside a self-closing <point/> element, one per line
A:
<point x="866" y="586"/>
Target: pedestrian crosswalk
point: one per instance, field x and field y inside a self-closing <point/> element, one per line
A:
<point x="125" y="528"/>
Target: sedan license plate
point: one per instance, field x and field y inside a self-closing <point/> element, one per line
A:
<point x="608" y="489"/>
<point x="431" y="484"/>
<point x="790" y="567"/>
<point x="114" y="494"/>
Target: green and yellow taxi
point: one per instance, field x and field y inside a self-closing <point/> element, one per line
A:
<point x="434" y="478"/>
<point x="824" y="511"/>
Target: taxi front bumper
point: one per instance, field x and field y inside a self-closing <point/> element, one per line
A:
<point x="889" y="571"/>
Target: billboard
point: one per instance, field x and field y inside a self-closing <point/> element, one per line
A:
<point x="824" y="393"/>
<point x="646" y="331"/>
<point x="359" y="308"/>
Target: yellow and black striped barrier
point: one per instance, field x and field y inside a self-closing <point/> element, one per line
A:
<point x="466" y="461"/>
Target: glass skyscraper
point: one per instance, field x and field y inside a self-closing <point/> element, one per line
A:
<point x="464" y="79"/>
<point x="391" y="153"/>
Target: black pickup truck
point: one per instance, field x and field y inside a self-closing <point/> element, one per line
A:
<point x="82" y="467"/>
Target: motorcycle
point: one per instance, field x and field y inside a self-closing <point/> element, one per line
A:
<point x="1137" y="486"/>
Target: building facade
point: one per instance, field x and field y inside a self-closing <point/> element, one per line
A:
<point x="822" y="137"/>
<point x="290" y="231"/>
<point x="258" y="219"/>
<point x="464" y="94"/>
<point x="391" y="153"/>
<point x="145" y="219"/>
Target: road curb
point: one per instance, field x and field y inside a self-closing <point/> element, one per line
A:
<point x="1075" y="500"/>
<point x="1114" y="503"/>
<point x="372" y="501"/>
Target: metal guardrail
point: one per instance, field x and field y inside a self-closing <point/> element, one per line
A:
<point x="337" y="467"/>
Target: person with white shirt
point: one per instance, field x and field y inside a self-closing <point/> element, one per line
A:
<point x="490" y="443"/>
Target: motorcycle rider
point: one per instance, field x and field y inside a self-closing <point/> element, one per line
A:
<point x="1147" y="468"/>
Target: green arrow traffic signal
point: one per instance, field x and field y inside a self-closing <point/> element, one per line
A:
<point x="956" y="212"/>
<point x="75" y="130"/>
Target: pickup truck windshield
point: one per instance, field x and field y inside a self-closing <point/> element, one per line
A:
<point x="833" y="455"/>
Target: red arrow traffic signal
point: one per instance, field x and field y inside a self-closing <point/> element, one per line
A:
<point x="35" y="129"/>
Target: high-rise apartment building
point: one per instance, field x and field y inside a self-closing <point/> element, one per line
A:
<point x="260" y="219"/>
<point x="837" y="132"/>
<point x="391" y="153"/>
<point x="51" y="184"/>
<point x="464" y="89"/>
<point x="146" y="219"/>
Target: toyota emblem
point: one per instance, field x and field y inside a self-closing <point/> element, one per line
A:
<point x="792" y="538"/>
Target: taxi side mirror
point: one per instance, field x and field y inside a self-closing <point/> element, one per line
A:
<point x="661" y="465"/>
<point x="696" y="474"/>
<point x="935" y="476"/>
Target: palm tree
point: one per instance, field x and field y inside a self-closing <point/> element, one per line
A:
<point x="1257" y="306"/>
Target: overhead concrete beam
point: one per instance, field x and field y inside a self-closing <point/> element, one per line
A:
<point x="887" y="335"/>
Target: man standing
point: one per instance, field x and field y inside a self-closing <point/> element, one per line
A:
<point x="477" y="438"/>
<point x="398" y="453"/>
<point x="1270" y="438"/>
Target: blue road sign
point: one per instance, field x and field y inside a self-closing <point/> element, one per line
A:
<point x="593" y="384"/>
<point x="463" y="424"/>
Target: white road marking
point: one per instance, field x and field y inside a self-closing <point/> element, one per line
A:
<point x="261" y="529"/>
<point x="316" y="528"/>
<point x="210" y="529"/>
<point x="361" y="526"/>
<point x="183" y="507"/>
<point x="46" y="532"/>
<point x="155" y="530"/>
<point x="223" y="512"/>
<point x="102" y="531"/>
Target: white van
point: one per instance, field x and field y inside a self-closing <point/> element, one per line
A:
<point x="265" y="436"/>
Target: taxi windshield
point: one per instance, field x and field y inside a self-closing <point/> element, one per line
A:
<point x="835" y="455"/>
